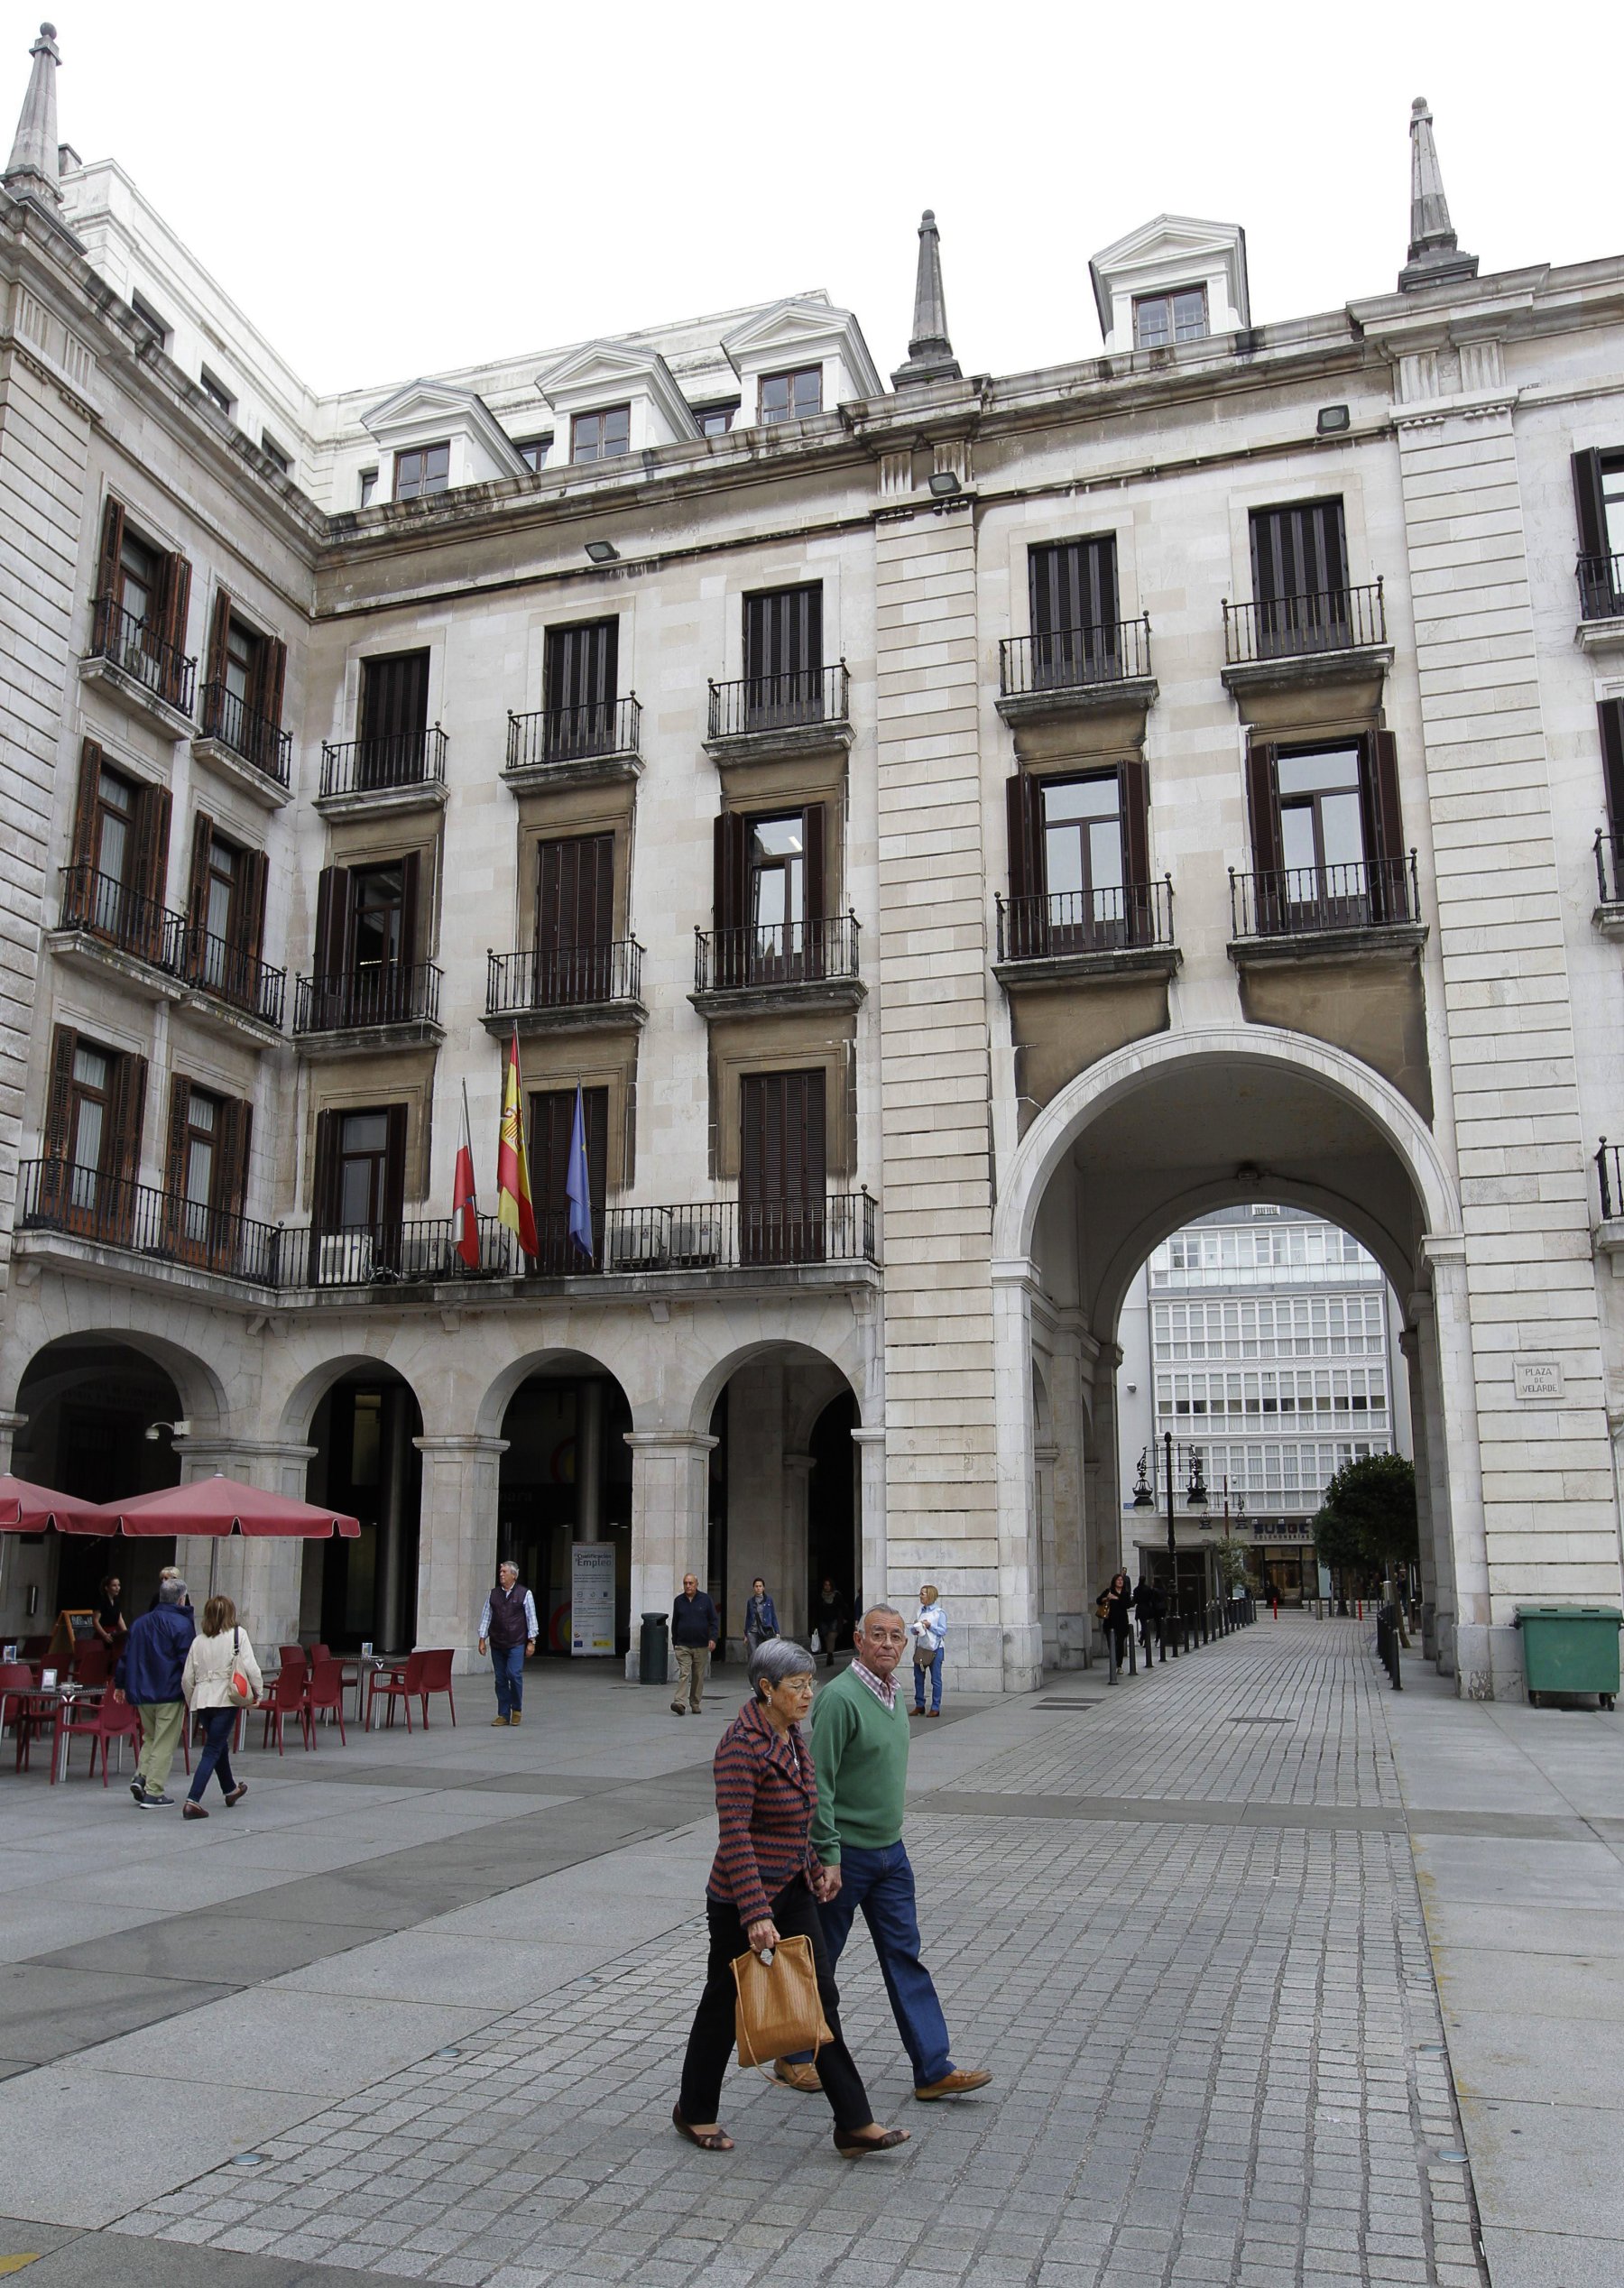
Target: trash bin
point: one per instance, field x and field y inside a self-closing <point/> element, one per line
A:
<point x="1571" y="1649"/>
<point x="652" y="1655"/>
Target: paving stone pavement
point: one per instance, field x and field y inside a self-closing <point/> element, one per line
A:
<point x="1217" y="2048"/>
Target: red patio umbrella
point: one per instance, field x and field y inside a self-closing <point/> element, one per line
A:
<point x="219" y="1506"/>
<point x="28" y="1508"/>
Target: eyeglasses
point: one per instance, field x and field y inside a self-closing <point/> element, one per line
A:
<point x="807" y="1684"/>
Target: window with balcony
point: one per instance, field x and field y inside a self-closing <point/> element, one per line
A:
<point x="1300" y="579"/>
<point x="243" y="690"/>
<point x="781" y="1167"/>
<point x="113" y="885"/>
<point x="783" y="657"/>
<point x="602" y="436"/>
<point x="575" y="921"/>
<point x="552" y="1126"/>
<point x="392" y="742"/>
<point x="1327" y="837"/>
<point x="1079" y="865"/>
<point x="92" y="1137"/>
<point x="368" y="972"/>
<point x="358" y="1193"/>
<point x="791" y="397"/>
<point x="425" y="469"/>
<point x="225" y="921"/>
<point x="1073" y="591"/>
<point x="770" y="899"/>
<point x="1599" y="498"/>
<point x="205" y="1173"/>
<point x="139" y="621"/>
<point x="580" y="686"/>
<point x="1159" y="320"/>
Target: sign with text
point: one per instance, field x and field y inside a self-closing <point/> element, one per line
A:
<point x="592" y="1599"/>
<point x="1538" y="1379"/>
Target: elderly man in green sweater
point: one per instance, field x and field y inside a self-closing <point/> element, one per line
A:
<point x="860" y="1752"/>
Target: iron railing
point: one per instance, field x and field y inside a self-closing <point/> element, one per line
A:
<point x="757" y="703"/>
<point x="228" y="973"/>
<point x="1085" y="921"/>
<point x="135" y="646"/>
<point x="54" y="1196"/>
<point x="1073" y="658"/>
<point x="1610" y="865"/>
<point x="378" y="993"/>
<point x="1289" y="627"/>
<point x="1295" y="901"/>
<point x="121" y="916"/>
<point x="254" y="736"/>
<point x="574" y="735"/>
<point x="378" y="766"/>
<point x="391" y="1253"/>
<point x="791" y="952"/>
<point x="563" y="977"/>
<point x="1600" y="587"/>
<point x="1611" y="1176"/>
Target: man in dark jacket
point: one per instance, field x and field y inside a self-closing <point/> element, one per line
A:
<point x="695" y="1626"/>
<point x="149" y="1674"/>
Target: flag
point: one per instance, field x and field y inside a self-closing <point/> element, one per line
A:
<point x="512" y="1162"/>
<point x="577" y="1183"/>
<point x="465" y="1201"/>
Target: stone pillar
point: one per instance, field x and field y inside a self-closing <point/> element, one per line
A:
<point x="389" y="1587"/>
<point x="1429" y="1527"/>
<point x="874" y="1585"/>
<point x="794" y="1532"/>
<point x="1020" y="1621"/>
<point x="1105" y="1550"/>
<point x="589" y="1459"/>
<point x="758" y="1540"/>
<point x="457" y="1541"/>
<point x="1070" y="1492"/>
<point x="262" y="1578"/>
<point x="671" y="1472"/>
<point x="10" y="1423"/>
<point x="1459" y="1452"/>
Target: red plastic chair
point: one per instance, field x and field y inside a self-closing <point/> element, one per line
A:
<point x="404" y="1684"/>
<point x="16" y="1682"/>
<point x="293" y="1656"/>
<point x="287" y="1697"/>
<point x="325" y="1696"/>
<point x="93" y="1663"/>
<point x="435" y="1676"/>
<point x="110" y="1720"/>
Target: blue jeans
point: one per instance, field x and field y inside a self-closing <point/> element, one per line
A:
<point x="508" y="1661"/>
<point x="881" y="1884"/>
<point x="218" y="1725"/>
<point x="935" y="1673"/>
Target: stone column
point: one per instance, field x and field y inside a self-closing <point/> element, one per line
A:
<point x="795" y="1542"/>
<point x="670" y="1483"/>
<point x="10" y="1423"/>
<point x="1458" y="1451"/>
<point x="457" y="1541"/>
<point x="262" y="1578"/>
<point x="1020" y="1621"/>
<point x="589" y="1459"/>
<point x="1105" y="1551"/>
<point x="1071" y="1492"/>
<point x="875" y="1584"/>
<point x="758" y="1513"/>
<point x="1430" y="1527"/>
<point x="389" y="1587"/>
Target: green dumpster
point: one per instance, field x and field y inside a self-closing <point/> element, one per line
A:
<point x="1571" y="1649"/>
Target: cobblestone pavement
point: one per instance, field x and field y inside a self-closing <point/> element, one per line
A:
<point x="1217" y="2047"/>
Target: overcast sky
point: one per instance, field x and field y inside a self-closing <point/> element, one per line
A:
<point x="389" y="190"/>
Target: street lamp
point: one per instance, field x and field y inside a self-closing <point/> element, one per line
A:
<point x="1143" y="1499"/>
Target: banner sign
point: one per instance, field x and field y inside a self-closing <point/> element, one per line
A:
<point x="592" y="1594"/>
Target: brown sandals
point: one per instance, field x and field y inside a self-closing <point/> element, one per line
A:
<point x="708" y="2140"/>
<point x="852" y="2147"/>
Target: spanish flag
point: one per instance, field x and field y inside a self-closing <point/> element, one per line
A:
<point x="512" y="1162"/>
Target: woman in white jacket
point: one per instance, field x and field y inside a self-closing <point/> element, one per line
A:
<point x="929" y="1629"/>
<point x="219" y="1651"/>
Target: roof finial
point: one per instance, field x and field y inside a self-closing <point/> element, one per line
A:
<point x="32" y="172"/>
<point x="929" y="352"/>
<point x="1434" y="257"/>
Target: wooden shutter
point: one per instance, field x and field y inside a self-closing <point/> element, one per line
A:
<point x="812" y="843"/>
<point x="248" y="910"/>
<point x="128" y="1110"/>
<point x="732" y="869"/>
<point x="582" y="666"/>
<point x="109" y="577"/>
<point x="177" y="605"/>
<point x="237" y="1135"/>
<point x="324" y="1173"/>
<point x="1389" y="816"/>
<point x="197" y="906"/>
<point x="1073" y="585"/>
<point x="1026" y="933"/>
<point x="219" y="635"/>
<point x="267" y="700"/>
<point x="395" y="1166"/>
<point x="83" y="853"/>
<point x="1133" y="802"/>
<point x="179" y="1120"/>
<point x="1263" y="804"/>
<point x="1298" y="551"/>
<point x="332" y="919"/>
<point x="782" y="1144"/>
<point x="1610" y="713"/>
<point x="783" y="631"/>
<point x="56" y="1141"/>
<point x="151" y="871"/>
<point x="575" y="893"/>
<point x="412" y="871"/>
<point x="394" y="696"/>
<point x="1589" y="503"/>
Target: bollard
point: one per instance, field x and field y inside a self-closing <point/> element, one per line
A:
<point x="1276" y="1603"/>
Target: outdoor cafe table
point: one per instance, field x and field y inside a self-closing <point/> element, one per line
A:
<point x="396" y="1666"/>
<point x="55" y="1701"/>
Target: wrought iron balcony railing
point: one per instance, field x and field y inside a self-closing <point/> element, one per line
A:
<point x="232" y="976"/>
<point x="378" y="993"/>
<point x="765" y="703"/>
<point x="387" y="1254"/>
<point x="1611" y="1178"/>
<point x="119" y="916"/>
<point x="135" y="645"/>
<point x="1609" y="866"/>
<point x="382" y="766"/>
<point x="250" y="735"/>
<point x="563" y="977"/>
<point x="1601" y="588"/>
<point x="574" y="735"/>
<point x="1291" y="627"/>
<point x="1073" y="658"/>
<point x="1302" y="900"/>
<point x="1077" y="921"/>
<point x="54" y="1196"/>
<point x="764" y="955"/>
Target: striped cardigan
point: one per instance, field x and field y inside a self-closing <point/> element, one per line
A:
<point x="766" y="1795"/>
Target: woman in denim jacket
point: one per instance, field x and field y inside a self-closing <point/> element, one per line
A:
<point x="929" y="1629"/>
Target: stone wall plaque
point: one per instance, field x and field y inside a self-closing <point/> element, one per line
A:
<point x="1538" y="1379"/>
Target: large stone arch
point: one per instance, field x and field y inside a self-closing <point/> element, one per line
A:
<point x="299" y="1402"/>
<point x="204" y="1403"/>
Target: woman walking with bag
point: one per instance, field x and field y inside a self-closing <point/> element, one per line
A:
<point x="763" y="1886"/>
<point x="929" y="1629"/>
<point x="220" y="1679"/>
<point x="761" y="1616"/>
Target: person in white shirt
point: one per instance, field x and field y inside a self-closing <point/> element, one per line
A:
<point x="929" y="1629"/>
<point x="219" y="1651"/>
<point x="508" y="1625"/>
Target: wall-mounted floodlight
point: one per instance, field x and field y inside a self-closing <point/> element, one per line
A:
<point x="945" y="485"/>
<point x="603" y="551"/>
<point x="1334" y="421"/>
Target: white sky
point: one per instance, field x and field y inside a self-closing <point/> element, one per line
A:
<point x="390" y="190"/>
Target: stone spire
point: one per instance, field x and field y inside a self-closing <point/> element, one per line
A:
<point x="32" y="172"/>
<point x="1434" y="258"/>
<point x="929" y="352"/>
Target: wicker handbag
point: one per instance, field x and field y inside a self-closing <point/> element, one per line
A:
<point x="779" y="2011"/>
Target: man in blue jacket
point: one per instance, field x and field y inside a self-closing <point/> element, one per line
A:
<point x="149" y="1673"/>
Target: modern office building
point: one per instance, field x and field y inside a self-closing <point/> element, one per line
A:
<point x="954" y="832"/>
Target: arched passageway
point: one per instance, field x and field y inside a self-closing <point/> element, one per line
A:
<point x="565" y="1482"/>
<point x="365" y="1592"/>
<point x="784" y="1493"/>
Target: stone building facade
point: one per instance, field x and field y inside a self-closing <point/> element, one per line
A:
<point x="952" y="834"/>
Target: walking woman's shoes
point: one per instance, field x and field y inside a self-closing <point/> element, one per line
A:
<point x="708" y="2140"/>
<point x="797" y="2077"/>
<point x="852" y="2146"/>
<point x="188" y="1810"/>
<point x="956" y="2084"/>
<point x="237" y="1793"/>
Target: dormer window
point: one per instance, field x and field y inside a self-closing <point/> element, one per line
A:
<point x="791" y="397"/>
<point x="157" y="328"/>
<point x="715" y="420"/>
<point x="533" y="450"/>
<point x="423" y="470"/>
<point x="217" y="393"/>
<point x="280" y="459"/>
<point x="1161" y="319"/>
<point x="601" y="436"/>
<point x="369" y="487"/>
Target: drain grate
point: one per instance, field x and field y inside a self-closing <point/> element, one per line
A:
<point x="1044" y="1706"/>
<point x="1263" y="1720"/>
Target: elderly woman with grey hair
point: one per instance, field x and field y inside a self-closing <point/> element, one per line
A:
<point x="764" y="1886"/>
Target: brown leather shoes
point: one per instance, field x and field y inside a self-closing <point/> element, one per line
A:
<point x="797" y="2077"/>
<point x="956" y="2084"/>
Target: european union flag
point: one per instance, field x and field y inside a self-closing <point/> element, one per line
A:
<point x="577" y="1183"/>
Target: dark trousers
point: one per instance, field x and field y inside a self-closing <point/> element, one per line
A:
<point x="218" y="1724"/>
<point x="880" y="1884"/>
<point x="711" y="2042"/>
<point x="508" y="1662"/>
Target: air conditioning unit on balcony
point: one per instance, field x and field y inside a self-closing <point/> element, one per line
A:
<point x="643" y="1245"/>
<point x="344" y="1259"/>
<point x="696" y="1242"/>
<point x="424" y="1255"/>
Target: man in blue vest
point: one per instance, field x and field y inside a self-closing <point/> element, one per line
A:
<point x="508" y="1625"/>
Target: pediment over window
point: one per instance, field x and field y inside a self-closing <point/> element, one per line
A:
<point x="1168" y="255"/>
<point x="605" y="373"/>
<point x="426" y="412"/>
<point x="804" y="331"/>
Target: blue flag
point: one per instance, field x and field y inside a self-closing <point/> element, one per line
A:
<point x="577" y="1183"/>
